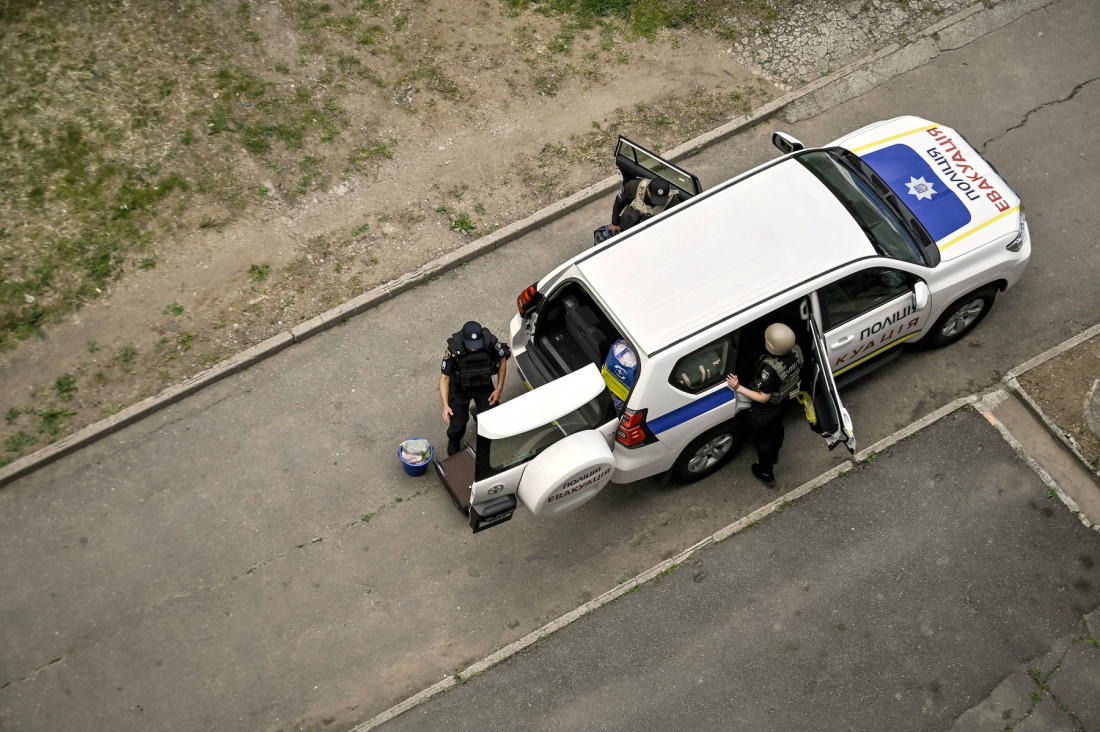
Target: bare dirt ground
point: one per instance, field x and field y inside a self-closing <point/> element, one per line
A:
<point x="1063" y="388"/>
<point x="434" y="123"/>
<point x="430" y="125"/>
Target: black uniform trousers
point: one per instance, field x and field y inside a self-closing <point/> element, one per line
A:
<point x="459" y="402"/>
<point x="766" y="423"/>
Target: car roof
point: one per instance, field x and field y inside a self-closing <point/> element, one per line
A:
<point x="722" y="252"/>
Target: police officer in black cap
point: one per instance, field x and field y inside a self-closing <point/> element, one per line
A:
<point x="473" y="356"/>
<point x="640" y="199"/>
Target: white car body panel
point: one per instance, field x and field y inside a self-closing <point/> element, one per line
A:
<point x="728" y="253"/>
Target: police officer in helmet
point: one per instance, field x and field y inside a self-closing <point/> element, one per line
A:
<point x="473" y="356"/>
<point x="775" y="380"/>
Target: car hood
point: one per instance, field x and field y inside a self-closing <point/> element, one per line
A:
<point x="955" y="193"/>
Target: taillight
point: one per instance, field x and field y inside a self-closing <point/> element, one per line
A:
<point x="632" y="431"/>
<point x="525" y="298"/>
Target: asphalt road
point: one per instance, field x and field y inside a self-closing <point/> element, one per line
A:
<point x="893" y="598"/>
<point x="254" y="557"/>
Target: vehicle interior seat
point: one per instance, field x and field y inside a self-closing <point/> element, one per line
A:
<point x="704" y="369"/>
<point x="584" y="327"/>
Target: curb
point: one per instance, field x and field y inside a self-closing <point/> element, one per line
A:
<point x="849" y="82"/>
<point x="1011" y="383"/>
<point x="985" y="408"/>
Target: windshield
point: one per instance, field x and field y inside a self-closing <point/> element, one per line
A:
<point x="873" y="214"/>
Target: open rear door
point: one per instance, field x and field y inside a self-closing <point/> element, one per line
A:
<point x="833" y="421"/>
<point x="634" y="161"/>
<point x="546" y="449"/>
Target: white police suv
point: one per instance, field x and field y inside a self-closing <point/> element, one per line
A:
<point x="896" y="233"/>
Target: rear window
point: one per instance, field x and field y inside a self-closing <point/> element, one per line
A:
<point x="495" y="456"/>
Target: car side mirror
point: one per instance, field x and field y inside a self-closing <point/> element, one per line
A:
<point x="921" y="295"/>
<point x="786" y="143"/>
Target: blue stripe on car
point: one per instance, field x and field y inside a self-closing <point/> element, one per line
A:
<point x="688" y="412"/>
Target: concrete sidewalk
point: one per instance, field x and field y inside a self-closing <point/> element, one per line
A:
<point x="946" y="580"/>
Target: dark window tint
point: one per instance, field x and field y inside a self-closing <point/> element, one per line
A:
<point x="860" y="292"/>
<point x="495" y="456"/>
<point x="704" y="367"/>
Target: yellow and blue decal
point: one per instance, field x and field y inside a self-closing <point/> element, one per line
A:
<point x="939" y="208"/>
<point x="944" y="181"/>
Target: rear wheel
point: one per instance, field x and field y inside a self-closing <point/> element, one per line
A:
<point x="707" y="453"/>
<point x="962" y="316"/>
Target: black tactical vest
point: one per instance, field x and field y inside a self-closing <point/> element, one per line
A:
<point x="788" y="370"/>
<point x="473" y="369"/>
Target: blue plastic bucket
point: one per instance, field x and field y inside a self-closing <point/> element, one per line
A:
<point x="415" y="469"/>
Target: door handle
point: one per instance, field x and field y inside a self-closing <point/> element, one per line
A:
<point x="843" y="341"/>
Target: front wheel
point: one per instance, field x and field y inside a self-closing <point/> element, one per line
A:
<point x="962" y="316"/>
<point x="707" y="453"/>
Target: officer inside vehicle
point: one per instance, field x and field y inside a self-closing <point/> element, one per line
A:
<point x="775" y="380"/>
<point x="640" y="199"/>
<point x="473" y="356"/>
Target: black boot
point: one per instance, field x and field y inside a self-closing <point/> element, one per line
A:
<point x="767" y="479"/>
<point x="453" y="446"/>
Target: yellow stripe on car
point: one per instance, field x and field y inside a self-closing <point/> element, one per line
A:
<point x="887" y="347"/>
<point x="876" y="143"/>
<point x="979" y="227"/>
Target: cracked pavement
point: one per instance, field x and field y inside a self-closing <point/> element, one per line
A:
<point x="809" y="40"/>
<point x="1046" y="694"/>
<point x="1069" y="97"/>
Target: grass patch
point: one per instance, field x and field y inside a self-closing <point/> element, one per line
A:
<point x="50" y="419"/>
<point x="99" y="147"/>
<point x="463" y="223"/>
<point x="647" y="18"/>
<point x="65" y="386"/>
<point x="17" y="441"/>
<point x="126" y="354"/>
<point x="362" y="157"/>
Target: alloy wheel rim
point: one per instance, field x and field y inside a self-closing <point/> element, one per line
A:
<point x="963" y="318"/>
<point x="710" y="453"/>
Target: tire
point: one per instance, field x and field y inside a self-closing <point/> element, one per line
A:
<point x="962" y="317"/>
<point x="707" y="453"/>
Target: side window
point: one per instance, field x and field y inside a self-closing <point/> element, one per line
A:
<point x="857" y="293"/>
<point x="705" y="367"/>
